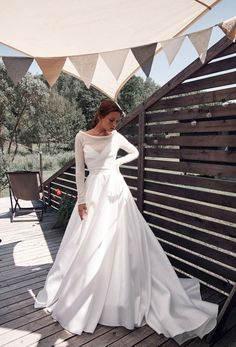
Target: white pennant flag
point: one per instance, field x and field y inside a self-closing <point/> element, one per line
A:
<point x="17" y="67"/>
<point x="229" y="28"/>
<point x="115" y="61"/>
<point x="200" y="41"/>
<point x="85" y="65"/>
<point x="51" y="68"/>
<point x="171" y="47"/>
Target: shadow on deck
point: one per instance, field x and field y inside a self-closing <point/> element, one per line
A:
<point x="26" y="254"/>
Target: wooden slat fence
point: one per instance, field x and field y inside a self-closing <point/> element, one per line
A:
<point x="184" y="181"/>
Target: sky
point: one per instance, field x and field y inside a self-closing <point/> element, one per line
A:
<point x="161" y="72"/>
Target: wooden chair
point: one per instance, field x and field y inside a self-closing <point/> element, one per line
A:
<point x="26" y="185"/>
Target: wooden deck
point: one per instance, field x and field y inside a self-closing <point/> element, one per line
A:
<point x="26" y="254"/>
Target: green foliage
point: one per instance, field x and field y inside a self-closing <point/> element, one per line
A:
<point x="66" y="207"/>
<point x="86" y="100"/>
<point x="3" y="168"/>
<point x="135" y="91"/>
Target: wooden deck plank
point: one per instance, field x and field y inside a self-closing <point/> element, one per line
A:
<point x="133" y="337"/>
<point x="77" y="341"/>
<point x="153" y="340"/>
<point x="19" y="322"/>
<point x="10" y="336"/>
<point x="109" y="337"/>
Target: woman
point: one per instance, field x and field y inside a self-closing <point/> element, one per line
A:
<point x="110" y="268"/>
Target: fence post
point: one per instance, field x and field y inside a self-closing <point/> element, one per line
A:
<point x="141" y="139"/>
<point x="49" y="194"/>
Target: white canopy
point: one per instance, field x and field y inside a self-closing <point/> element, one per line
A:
<point x="73" y="28"/>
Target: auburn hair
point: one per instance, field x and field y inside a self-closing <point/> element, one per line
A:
<point x="107" y="106"/>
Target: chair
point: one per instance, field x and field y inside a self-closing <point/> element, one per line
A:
<point x="26" y="185"/>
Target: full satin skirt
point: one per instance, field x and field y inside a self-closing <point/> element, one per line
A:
<point x="110" y="269"/>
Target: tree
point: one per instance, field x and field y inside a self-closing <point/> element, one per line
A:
<point x="61" y="121"/>
<point x="84" y="99"/>
<point x="25" y="97"/>
<point x="135" y="91"/>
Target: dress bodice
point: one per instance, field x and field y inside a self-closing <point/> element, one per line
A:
<point x="99" y="154"/>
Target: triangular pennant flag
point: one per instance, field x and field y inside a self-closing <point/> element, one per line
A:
<point x="51" y="68"/>
<point x="229" y="28"/>
<point x="200" y="41"/>
<point x="144" y="56"/>
<point x="85" y="65"/>
<point x="17" y="67"/>
<point x="115" y="61"/>
<point x="171" y="47"/>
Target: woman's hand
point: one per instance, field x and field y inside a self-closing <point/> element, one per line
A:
<point x="82" y="209"/>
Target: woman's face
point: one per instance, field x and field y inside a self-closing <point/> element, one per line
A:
<point x="110" y="121"/>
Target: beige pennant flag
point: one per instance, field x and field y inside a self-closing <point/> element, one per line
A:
<point x="17" y="67"/>
<point x="51" y="68"/>
<point x="200" y="41"/>
<point x="171" y="47"/>
<point x="115" y="61"/>
<point x="229" y="28"/>
<point x="144" y="56"/>
<point x="85" y="66"/>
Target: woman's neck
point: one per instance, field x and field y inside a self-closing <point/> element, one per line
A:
<point x="98" y="131"/>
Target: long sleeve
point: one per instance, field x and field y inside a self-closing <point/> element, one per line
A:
<point x="127" y="147"/>
<point x="79" y="170"/>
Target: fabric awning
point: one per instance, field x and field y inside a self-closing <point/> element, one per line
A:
<point x="60" y="28"/>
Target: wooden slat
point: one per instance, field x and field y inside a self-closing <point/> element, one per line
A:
<point x="190" y="244"/>
<point x="190" y="180"/>
<point x="202" y="113"/>
<point x="197" y="168"/>
<point x="141" y="137"/>
<point x="206" y="83"/>
<point x="133" y="337"/>
<point x="227" y="248"/>
<point x="196" y="99"/>
<point x="64" y="183"/>
<point x="152" y="340"/>
<point x="192" y="194"/>
<point x="228" y="51"/>
<point x="202" y="276"/>
<point x="208" y="225"/>
<point x="129" y="171"/>
<point x="195" y="208"/>
<point x="197" y="127"/>
<point x="195" y="141"/>
<point x="206" y="155"/>
<point x="217" y="66"/>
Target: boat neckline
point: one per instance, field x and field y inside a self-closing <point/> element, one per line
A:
<point x="98" y="136"/>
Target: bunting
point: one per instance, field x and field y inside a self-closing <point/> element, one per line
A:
<point x="229" y="28"/>
<point x="85" y="66"/>
<point x="51" y="68"/>
<point x="115" y="61"/>
<point x="172" y="47"/>
<point x="17" y="67"/>
<point x="200" y="41"/>
<point x="144" y="56"/>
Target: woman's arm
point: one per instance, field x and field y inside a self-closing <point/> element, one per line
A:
<point x="129" y="148"/>
<point x="79" y="170"/>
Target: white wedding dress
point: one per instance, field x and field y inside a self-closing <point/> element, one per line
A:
<point x="110" y="268"/>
